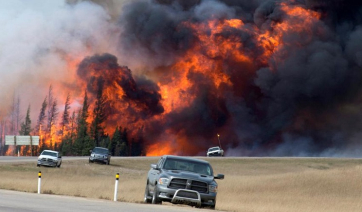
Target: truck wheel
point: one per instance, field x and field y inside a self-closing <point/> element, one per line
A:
<point x="59" y="165"/>
<point x="155" y="198"/>
<point x="147" y="195"/>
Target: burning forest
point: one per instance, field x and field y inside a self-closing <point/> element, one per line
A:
<point x="154" y="77"/>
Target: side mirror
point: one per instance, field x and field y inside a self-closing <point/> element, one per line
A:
<point x="59" y="156"/>
<point x="154" y="166"/>
<point x="219" y="176"/>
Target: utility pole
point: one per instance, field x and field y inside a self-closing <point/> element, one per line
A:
<point x="218" y="137"/>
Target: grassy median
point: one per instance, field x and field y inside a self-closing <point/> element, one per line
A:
<point x="250" y="184"/>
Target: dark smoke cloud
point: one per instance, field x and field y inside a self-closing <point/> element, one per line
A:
<point x="302" y="103"/>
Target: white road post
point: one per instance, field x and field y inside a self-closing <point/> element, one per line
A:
<point x="116" y="187"/>
<point x="39" y="182"/>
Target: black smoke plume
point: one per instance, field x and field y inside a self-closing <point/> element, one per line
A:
<point x="304" y="102"/>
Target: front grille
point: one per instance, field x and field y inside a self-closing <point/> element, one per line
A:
<point x="198" y="186"/>
<point x="49" y="160"/>
<point x="214" y="154"/>
<point x="178" y="183"/>
<point x="186" y="194"/>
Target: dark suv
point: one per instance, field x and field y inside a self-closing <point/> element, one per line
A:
<point x="182" y="180"/>
<point x="100" y="154"/>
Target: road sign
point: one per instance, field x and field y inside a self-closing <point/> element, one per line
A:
<point x="21" y="140"/>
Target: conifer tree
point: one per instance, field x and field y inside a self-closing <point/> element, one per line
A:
<point x="99" y="115"/>
<point x="83" y="142"/>
<point x="53" y="119"/>
<point x="65" y="118"/>
<point x="39" y="128"/>
<point x="115" y="141"/>
<point x="40" y="122"/>
<point x="49" y="111"/>
<point x="26" y="125"/>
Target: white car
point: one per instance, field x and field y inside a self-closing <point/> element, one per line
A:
<point x="215" y="151"/>
<point x="49" y="158"/>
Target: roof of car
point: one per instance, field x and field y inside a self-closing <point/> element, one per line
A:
<point x="50" y="151"/>
<point x="185" y="158"/>
<point x="100" y="147"/>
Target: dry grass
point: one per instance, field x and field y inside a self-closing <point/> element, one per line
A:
<point x="250" y="184"/>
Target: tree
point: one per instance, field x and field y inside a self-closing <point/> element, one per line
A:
<point x="67" y="146"/>
<point x="3" y="148"/>
<point x="65" y="118"/>
<point x="83" y="143"/>
<point x="99" y="115"/>
<point x="40" y="123"/>
<point x="25" y="129"/>
<point x="50" y="108"/>
<point x="116" y="139"/>
<point x="53" y="118"/>
<point x="15" y="116"/>
<point x="26" y="125"/>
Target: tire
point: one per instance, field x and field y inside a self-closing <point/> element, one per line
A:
<point x="37" y="165"/>
<point x="146" y="196"/>
<point x="59" y="165"/>
<point x="155" y="198"/>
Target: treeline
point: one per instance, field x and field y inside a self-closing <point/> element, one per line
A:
<point x="72" y="135"/>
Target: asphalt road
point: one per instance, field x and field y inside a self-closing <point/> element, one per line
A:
<point x="13" y="201"/>
<point x="11" y="159"/>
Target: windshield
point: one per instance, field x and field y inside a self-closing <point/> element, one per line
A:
<point x="185" y="165"/>
<point x="54" y="154"/>
<point x="100" y="151"/>
<point x="213" y="149"/>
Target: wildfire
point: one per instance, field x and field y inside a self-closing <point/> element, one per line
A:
<point x="160" y="148"/>
<point x="223" y="57"/>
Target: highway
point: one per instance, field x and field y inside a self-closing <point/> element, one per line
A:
<point x="13" y="201"/>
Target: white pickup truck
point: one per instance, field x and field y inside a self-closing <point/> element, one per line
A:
<point x="215" y="151"/>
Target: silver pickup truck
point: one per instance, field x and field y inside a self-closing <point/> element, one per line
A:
<point x="215" y="151"/>
<point x="182" y="180"/>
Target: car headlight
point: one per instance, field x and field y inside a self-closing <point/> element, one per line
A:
<point x="163" y="181"/>
<point x="213" y="188"/>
